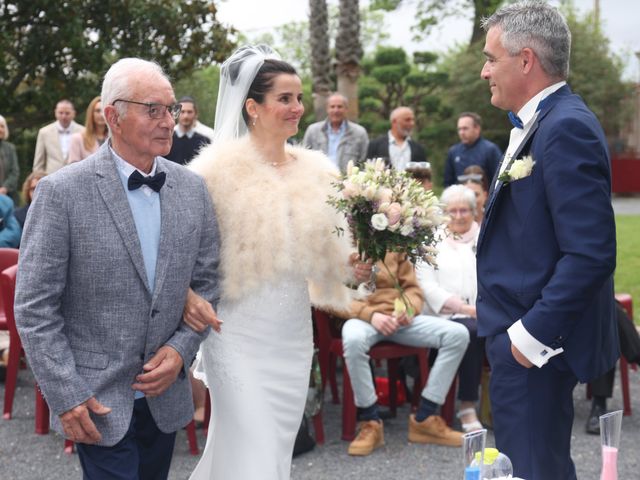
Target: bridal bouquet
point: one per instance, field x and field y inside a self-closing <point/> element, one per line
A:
<point x="388" y="211"/>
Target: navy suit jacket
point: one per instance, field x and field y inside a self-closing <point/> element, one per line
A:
<point x="547" y="247"/>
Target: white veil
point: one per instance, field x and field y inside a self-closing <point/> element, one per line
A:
<point x="236" y="75"/>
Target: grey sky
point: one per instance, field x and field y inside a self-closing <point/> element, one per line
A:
<point x="619" y="17"/>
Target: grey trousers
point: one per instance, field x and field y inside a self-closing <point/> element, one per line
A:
<point x="450" y="338"/>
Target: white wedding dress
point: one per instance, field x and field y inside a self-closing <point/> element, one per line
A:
<point x="257" y="370"/>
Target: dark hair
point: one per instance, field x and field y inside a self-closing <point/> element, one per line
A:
<point x="475" y="174"/>
<point x="191" y="100"/>
<point x="263" y="82"/>
<point x="477" y="119"/>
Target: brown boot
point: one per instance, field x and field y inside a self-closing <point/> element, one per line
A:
<point x="433" y="429"/>
<point x="370" y="436"/>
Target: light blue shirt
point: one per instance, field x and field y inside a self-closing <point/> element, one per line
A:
<point x="145" y="208"/>
<point x="334" y="140"/>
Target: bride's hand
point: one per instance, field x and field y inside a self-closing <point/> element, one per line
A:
<point x="198" y="314"/>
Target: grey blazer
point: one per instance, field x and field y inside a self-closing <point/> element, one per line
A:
<point x="86" y="316"/>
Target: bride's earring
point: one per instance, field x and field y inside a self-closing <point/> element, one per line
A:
<point x="253" y="124"/>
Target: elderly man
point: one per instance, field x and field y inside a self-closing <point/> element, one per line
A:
<point x="547" y="249"/>
<point x="52" y="144"/>
<point x="111" y="246"/>
<point x="340" y="139"/>
<point x="472" y="149"/>
<point x="186" y="141"/>
<point x="397" y="148"/>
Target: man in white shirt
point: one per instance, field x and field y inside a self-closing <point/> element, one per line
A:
<point x="397" y="148"/>
<point x="547" y="248"/>
<point x="52" y="144"/>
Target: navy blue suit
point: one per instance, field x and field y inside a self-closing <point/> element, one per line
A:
<point x="546" y="255"/>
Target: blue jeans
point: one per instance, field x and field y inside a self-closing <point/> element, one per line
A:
<point x="451" y="340"/>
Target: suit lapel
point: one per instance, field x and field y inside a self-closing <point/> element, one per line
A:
<point x="115" y="199"/>
<point x="168" y="228"/>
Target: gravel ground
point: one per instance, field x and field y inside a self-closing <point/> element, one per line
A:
<point x="27" y="456"/>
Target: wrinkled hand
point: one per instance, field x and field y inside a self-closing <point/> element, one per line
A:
<point x="385" y="324"/>
<point x="160" y="372"/>
<point x="198" y="314"/>
<point x="77" y="424"/>
<point x="520" y="358"/>
<point x="361" y="270"/>
<point x="468" y="310"/>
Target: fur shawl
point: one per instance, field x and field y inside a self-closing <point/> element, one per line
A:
<point x="276" y="220"/>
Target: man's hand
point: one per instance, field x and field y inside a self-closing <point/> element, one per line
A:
<point x="520" y="358"/>
<point x="77" y="424"/>
<point x="160" y="372"/>
<point x="468" y="310"/>
<point x="198" y="314"/>
<point x="385" y="324"/>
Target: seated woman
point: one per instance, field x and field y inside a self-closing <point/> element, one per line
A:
<point x="450" y="291"/>
<point x="10" y="230"/>
<point x="28" y="189"/>
<point x="475" y="178"/>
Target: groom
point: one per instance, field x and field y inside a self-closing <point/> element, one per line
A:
<point x="111" y="246"/>
<point x="547" y="248"/>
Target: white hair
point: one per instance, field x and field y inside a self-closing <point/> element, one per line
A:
<point x="6" y="128"/>
<point x="117" y="81"/>
<point x="457" y="193"/>
<point x="397" y="111"/>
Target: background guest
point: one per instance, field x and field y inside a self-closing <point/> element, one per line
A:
<point x="10" y="229"/>
<point x="9" y="168"/>
<point x="450" y="291"/>
<point x="95" y="133"/>
<point x="337" y="137"/>
<point x="52" y="144"/>
<point x="475" y="178"/>
<point x="28" y="189"/>
<point x="473" y="149"/>
<point x="396" y="147"/>
<point x="421" y="171"/>
<point x="187" y="142"/>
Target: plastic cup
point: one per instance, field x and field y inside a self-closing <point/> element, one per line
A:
<point x="473" y="444"/>
<point x="610" y="428"/>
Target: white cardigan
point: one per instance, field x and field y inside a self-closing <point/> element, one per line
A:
<point x="275" y="220"/>
<point x="455" y="276"/>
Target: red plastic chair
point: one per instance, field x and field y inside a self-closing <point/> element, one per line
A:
<point x="330" y="345"/>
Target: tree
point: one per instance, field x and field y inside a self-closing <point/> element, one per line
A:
<point x="52" y="50"/>
<point x="349" y="53"/>
<point x="430" y="12"/>
<point x="320" y="55"/>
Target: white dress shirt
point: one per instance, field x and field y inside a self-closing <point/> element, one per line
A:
<point x="399" y="155"/>
<point x="64" y="135"/>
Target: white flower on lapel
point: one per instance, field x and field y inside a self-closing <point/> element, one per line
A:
<point x="519" y="169"/>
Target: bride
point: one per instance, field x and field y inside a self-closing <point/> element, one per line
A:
<point x="279" y="255"/>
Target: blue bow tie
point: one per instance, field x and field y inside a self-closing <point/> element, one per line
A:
<point x="155" y="182"/>
<point x="515" y="120"/>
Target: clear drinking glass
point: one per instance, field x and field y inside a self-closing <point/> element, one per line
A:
<point x="610" y="427"/>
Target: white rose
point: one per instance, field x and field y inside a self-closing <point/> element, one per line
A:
<point x="379" y="221"/>
<point x="521" y="168"/>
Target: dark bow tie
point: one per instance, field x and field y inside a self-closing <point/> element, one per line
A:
<point x="515" y="120"/>
<point x="155" y="182"/>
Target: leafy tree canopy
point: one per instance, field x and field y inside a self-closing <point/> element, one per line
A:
<point x="52" y="50"/>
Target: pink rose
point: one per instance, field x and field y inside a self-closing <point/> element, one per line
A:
<point x="393" y="213"/>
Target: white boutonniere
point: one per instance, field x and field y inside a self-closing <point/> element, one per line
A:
<point x="519" y="169"/>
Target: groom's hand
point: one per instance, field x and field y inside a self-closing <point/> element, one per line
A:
<point x="77" y="424"/>
<point x="520" y="358"/>
<point x="160" y="372"/>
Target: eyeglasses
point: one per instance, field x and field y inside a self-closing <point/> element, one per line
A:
<point x="157" y="110"/>
<point x="458" y="211"/>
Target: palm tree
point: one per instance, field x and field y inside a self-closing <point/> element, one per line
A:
<point x="349" y="53"/>
<point x="320" y="55"/>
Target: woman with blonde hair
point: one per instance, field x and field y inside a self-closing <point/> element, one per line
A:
<point x="95" y="133"/>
